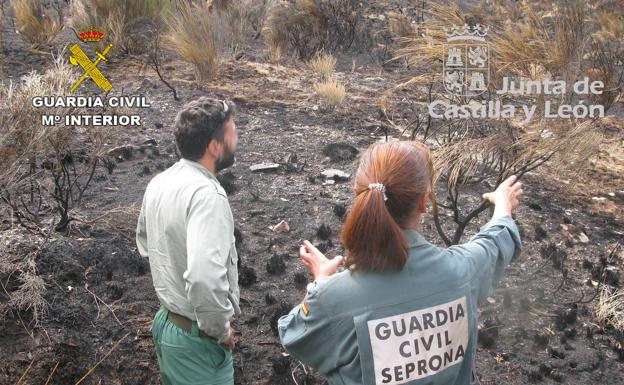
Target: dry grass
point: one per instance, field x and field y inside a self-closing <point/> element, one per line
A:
<point x="529" y="40"/>
<point x="30" y="295"/>
<point x="307" y="27"/>
<point x="22" y="137"/>
<point x="203" y="32"/>
<point x="610" y="308"/>
<point x="323" y="65"/>
<point x="293" y="26"/>
<point x="34" y="167"/>
<point x="331" y="91"/>
<point x="470" y="159"/>
<point x="192" y="36"/>
<point x="233" y="19"/>
<point x="546" y="41"/>
<point x="400" y="25"/>
<point x="555" y="39"/>
<point x="127" y="24"/>
<point x="119" y="220"/>
<point x="37" y="23"/>
<point x="31" y="288"/>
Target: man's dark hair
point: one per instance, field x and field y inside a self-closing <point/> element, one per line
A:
<point x="199" y="122"/>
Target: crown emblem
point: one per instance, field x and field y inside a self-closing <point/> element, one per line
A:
<point x="466" y="32"/>
<point x="90" y="35"/>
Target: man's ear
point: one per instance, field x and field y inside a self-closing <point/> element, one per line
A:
<point x="214" y="148"/>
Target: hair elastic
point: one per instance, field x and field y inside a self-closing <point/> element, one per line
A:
<point x="380" y="187"/>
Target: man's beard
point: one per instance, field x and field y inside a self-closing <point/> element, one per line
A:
<point x="226" y="160"/>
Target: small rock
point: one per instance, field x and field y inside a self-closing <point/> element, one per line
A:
<point x="340" y="151"/>
<point x="281" y="227"/>
<point x="335" y="174"/>
<point x="264" y="167"/>
<point x="150" y="142"/>
<point x="575" y="234"/>
<point x="122" y="152"/>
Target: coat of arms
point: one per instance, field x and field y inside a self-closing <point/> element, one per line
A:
<point x="466" y="60"/>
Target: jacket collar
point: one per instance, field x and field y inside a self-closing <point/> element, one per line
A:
<point x="198" y="167"/>
<point x="414" y="238"/>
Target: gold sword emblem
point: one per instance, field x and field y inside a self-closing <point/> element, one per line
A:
<point x="80" y="58"/>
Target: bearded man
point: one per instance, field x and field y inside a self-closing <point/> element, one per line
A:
<point x="186" y="229"/>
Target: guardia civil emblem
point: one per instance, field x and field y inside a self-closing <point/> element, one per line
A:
<point x="466" y="60"/>
<point x="80" y="58"/>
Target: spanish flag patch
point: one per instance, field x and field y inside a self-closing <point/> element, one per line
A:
<point x="304" y="307"/>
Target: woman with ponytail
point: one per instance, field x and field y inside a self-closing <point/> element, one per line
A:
<point x="403" y="311"/>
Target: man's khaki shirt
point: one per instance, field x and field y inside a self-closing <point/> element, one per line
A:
<point x="187" y="231"/>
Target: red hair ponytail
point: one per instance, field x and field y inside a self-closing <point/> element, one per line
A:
<point x="372" y="233"/>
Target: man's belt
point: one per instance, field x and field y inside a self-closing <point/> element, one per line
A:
<point x="185" y="324"/>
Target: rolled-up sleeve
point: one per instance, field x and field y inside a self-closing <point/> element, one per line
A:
<point x="489" y="253"/>
<point x="307" y="334"/>
<point x="209" y="228"/>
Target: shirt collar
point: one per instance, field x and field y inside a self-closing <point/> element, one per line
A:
<point x="198" y="167"/>
<point x="414" y="238"/>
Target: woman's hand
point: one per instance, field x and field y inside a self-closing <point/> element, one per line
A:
<point x="505" y="197"/>
<point x="316" y="262"/>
